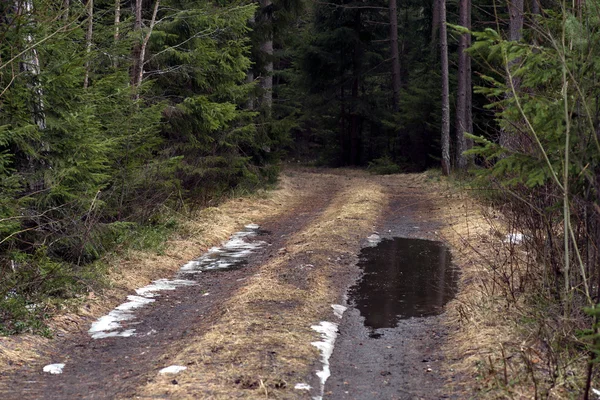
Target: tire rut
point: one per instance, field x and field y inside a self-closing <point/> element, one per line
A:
<point x="116" y="367"/>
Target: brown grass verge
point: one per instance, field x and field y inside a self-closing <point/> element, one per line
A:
<point x="488" y="345"/>
<point x="135" y="269"/>
<point x="254" y="352"/>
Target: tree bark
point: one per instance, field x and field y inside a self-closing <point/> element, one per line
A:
<point x="117" y="19"/>
<point x="137" y="47"/>
<point x="266" y="47"/>
<point x="67" y="7"/>
<point x="469" y="110"/>
<point x="435" y="21"/>
<point x="88" y="42"/>
<point x="516" y="15"/>
<point x="463" y="88"/>
<point x="141" y="56"/>
<point x="445" y="90"/>
<point x="395" y="56"/>
<point x="31" y="64"/>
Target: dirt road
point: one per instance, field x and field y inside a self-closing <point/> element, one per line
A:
<point x="249" y="332"/>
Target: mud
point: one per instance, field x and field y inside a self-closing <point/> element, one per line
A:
<point x="404" y="362"/>
<point x="115" y="367"/>
<point x="385" y="355"/>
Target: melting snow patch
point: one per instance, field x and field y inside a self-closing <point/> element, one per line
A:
<point x="54" y="369"/>
<point x="173" y="369"/>
<point x="514" y="238"/>
<point x="108" y="325"/>
<point x="328" y="331"/>
<point x="338" y="310"/>
<point x="373" y="239"/>
<point x="229" y="254"/>
<point x="302" y="386"/>
<point x="596" y="392"/>
<point x="162" y="284"/>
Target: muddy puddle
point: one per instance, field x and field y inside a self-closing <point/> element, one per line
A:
<point x="402" y="278"/>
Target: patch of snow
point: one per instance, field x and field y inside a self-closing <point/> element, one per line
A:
<point x="162" y="284"/>
<point x="329" y="332"/>
<point x="514" y="238"/>
<point x="338" y="310"/>
<point x="302" y="386"/>
<point x="373" y="239"/>
<point x="173" y="369"/>
<point x="54" y="369"/>
<point x="596" y="392"/>
<point x="229" y="254"/>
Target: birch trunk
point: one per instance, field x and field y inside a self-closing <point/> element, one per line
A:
<point x="88" y="42"/>
<point x="31" y="65"/>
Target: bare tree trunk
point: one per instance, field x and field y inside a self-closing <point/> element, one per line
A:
<point x="250" y="73"/>
<point x="469" y="111"/>
<point x="535" y="7"/>
<point x="463" y="88"/>
<point x="445" y="90"/>
<point x="435" y="21"/>
<point x="117" y="19"/>
<point x="88" y="42"/>
<point x="395" y="56"/>
<point x="266" y="47"/>
<point x="67" y="7"/>
<point x="516" y="15"/>
<point x="141" y="53"/>
<point x="137" y="47"/>
<point x="31" y="65"/>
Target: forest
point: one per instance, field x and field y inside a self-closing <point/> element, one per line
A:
<point x="119" y="116"/>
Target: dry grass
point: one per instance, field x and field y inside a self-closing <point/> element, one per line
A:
<point x="198" y="232"/>
<point x="492" y="352"/>
<point x="254" y="352"/>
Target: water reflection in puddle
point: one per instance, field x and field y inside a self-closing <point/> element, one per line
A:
<point x="403" y="278"/>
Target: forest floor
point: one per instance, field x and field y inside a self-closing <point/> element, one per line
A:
<point x="250" y="332"/>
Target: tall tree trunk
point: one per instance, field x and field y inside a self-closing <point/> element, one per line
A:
<point x="31" y="65"/>
<point x="141" y="55"/>
<point x="469" y="110"/>
<point x="117" y="20"/>
<point x="250" y="73"/>
<point x="394" y="56"/>
<point x="88" y="42"/>
<point x="535" y="7"/>
<point x="516" y="15"/>
<point x="67" y="7"/>
<point x="463" y="88"/>
<point x="435" y="21"/>
<point x="137" y="46"/>
<point x="266" y="47"/>
<point x="445" y="90"/>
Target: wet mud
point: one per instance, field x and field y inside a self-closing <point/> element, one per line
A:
<point x="114" y="367"/>
<point x="390" y="339"/>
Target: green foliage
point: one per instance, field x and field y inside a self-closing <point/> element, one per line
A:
<point x="384" y="166"/>
<point x="89" y="169"/>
